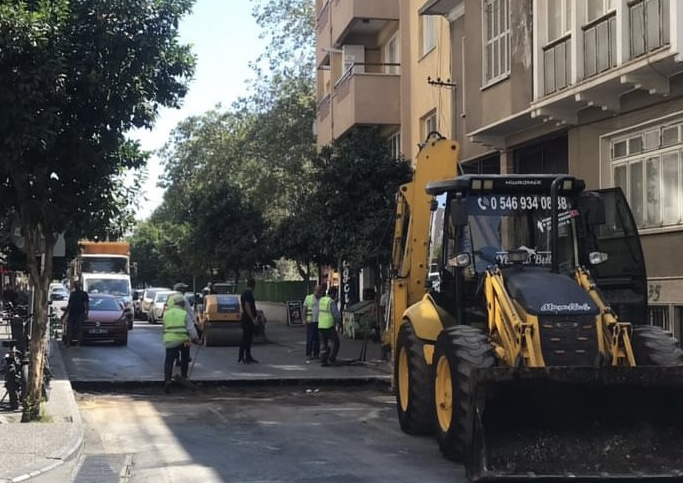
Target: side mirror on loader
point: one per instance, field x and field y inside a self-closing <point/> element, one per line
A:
<point x="458" y="212"/>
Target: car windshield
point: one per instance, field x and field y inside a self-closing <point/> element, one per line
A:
<point x="162" y="297"/>
<point x="120" y="288"/>
<point x="104" y="304"/>
<point x="499" y="224"/>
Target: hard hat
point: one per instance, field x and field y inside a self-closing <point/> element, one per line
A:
<point x="180" y="286"/>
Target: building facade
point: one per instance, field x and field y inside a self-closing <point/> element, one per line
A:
<point x="593" y="88"/>
<point x="588" y="87"/>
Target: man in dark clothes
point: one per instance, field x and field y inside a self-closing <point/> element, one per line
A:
<point x="77" y="312"/>
<point x="248" y="322"/>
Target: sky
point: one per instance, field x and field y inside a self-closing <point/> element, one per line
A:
<point x="224" y="36"/>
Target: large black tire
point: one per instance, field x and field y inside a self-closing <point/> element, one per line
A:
<point x="413" y="384"/>
<point x="652" y="346"/>
<point x="458" y="350"/>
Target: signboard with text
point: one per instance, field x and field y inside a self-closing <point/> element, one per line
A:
<point x="294" y="312"/>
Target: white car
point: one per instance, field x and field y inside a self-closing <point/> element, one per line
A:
<point x="156" y="311"/>
<point x="58" y="297"/>
<point x="148" y="299"/>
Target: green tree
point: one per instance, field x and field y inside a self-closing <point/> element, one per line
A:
<point x="75" y="76"/>
<point x="355" y="200"/>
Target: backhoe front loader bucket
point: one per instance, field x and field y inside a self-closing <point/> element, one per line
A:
<point x="579" y="423"/>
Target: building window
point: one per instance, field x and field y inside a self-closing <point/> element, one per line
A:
<point x="649" y="27"/>
<point x="648" y="166"/>
<point x="496" y="29"/>
<point x="428" y="33"/>
<point x="429" y="124"/>
<point x="559" y="18"/>
<point x="600" y="45"/>
<point x="395" y="145"/>
<point x="392" y="56"/>
<point x="658" y="315"/>
<point x="597" y="8"/>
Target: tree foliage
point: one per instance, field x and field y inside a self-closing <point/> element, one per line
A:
<point x="358" y="179"/>
<point x="75" y="76"/>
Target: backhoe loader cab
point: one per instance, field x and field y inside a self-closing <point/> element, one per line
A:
<point x="508" y="222"/>
<point x="532" y="357"/>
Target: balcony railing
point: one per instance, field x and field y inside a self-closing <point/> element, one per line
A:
<point x="557" y="64"/>
<point x="600" y="45"/>
<point x="324" y="107"/>
<point x="649" y="21"/>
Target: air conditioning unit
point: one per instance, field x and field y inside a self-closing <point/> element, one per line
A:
<point x="354" y="58"/>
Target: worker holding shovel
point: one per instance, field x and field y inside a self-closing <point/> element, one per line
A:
<point x="179" y="333"/>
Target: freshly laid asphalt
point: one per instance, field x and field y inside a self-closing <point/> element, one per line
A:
<point x="32" y="449"/>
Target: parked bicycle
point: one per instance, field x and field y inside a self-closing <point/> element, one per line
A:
<point x="15" y="364"/>
<point x="15" y="371"/>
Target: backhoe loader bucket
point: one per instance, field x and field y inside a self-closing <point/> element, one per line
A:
<point x="579" y="423"/>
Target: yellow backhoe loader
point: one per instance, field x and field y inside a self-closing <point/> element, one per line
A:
<point x="532" y="358"/>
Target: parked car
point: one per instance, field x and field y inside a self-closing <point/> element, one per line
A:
<point x="148" y="298"/>
<point x="106" y="321"/>
<point x="58" y="297"/>
<point x="137" y="299"/>
<point x="156" y="312"/>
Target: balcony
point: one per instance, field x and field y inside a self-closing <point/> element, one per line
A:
<point x="353" y="20"/>
<point x="322" y="34"/>
<point x="627" y="49"/>
<point x="638" y="46"/>
<point x="359" y="99"/>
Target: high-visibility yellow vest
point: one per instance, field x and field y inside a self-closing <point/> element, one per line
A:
<point x="175" y="328"/>
<point x="309" y="302"/>
<point x="325" y="317"/>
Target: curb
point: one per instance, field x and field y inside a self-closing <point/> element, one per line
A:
<point x="112" y="386"/>
<point x="67" y="455"/>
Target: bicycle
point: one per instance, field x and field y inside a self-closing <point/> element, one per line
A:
<point x="15" y="367"/>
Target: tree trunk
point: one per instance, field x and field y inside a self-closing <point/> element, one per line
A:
<point x="40" y="281"/>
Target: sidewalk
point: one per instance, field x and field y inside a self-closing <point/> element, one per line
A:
<point x="35" y="448"/>
<point x="32" y="449"/>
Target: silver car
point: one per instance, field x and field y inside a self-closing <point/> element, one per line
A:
<point x="156" y="312"/>
<point x="148" y="299"/>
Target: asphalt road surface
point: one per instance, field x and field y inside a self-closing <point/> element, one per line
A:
<point x="282" y="434"/>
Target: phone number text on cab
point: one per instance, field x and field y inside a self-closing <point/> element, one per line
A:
<point x="502" y="203"/>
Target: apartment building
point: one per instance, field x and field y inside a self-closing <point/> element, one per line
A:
<point x="379" y="63"/>
<point x="589" y="87"/>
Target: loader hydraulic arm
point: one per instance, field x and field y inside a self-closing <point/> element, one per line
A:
<point x="614" y="336"/>
<point x="437" y="160"/>
<point x="513" y="337"/>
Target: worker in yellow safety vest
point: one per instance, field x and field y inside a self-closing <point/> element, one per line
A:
<point x="179" y="333"/>
<point x="311" y="311"/>
<point x="328" y="318"/>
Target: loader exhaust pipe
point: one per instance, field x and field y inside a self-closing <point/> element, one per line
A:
<point x="579" y="423"/>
